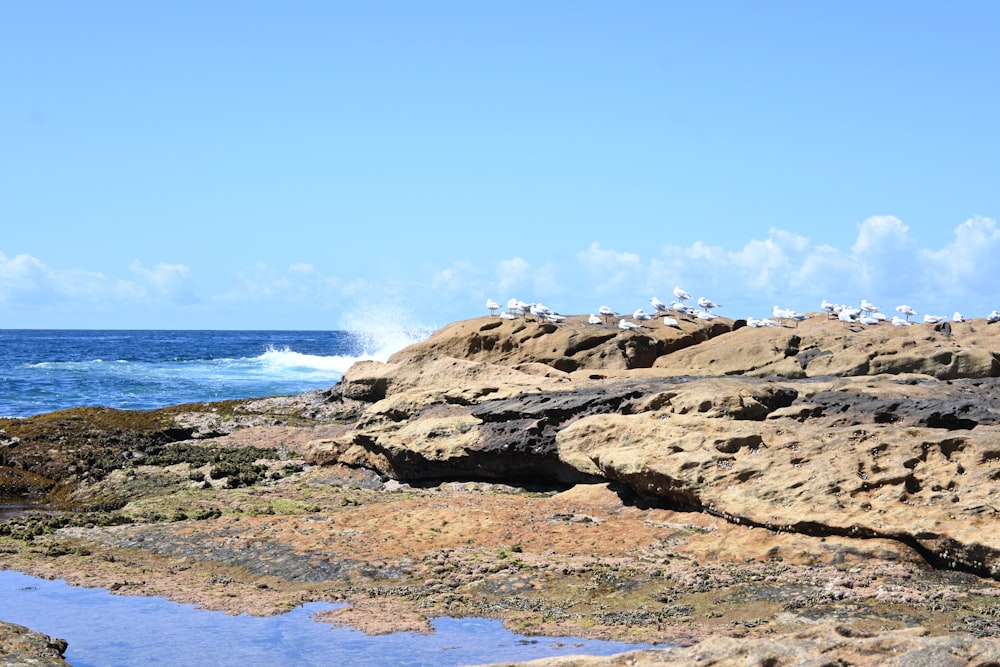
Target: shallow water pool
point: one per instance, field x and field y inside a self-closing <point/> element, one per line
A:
<point x="105" y="630"/>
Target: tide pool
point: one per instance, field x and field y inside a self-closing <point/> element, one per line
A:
<point x="105" y="630"/>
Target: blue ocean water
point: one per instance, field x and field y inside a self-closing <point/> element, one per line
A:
<point x="47" y="370"/>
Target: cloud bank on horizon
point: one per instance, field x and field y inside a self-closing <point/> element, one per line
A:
<point x="885" y="265"/>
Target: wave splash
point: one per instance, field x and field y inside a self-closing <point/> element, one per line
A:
<point x="383" y="331"/>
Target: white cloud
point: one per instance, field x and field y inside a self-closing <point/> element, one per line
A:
<point x="19" y="271"/>
<point x="164" y="281"/>
<point x="456" y="278"/>
<point x="884" y="264"/>
<point x="610" y="269"/>
<point x="29" y="279"/>
<point x="512" y="273"/>
<point x="880" y="235"/>
<point x="966" y="268"/>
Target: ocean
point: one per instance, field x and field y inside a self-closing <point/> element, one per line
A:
<point x="47" y="370"/>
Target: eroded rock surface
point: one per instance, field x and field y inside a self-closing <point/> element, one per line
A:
<point x="825" y="645"/>
<point x="21" y="647"/>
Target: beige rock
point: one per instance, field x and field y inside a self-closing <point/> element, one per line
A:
<point x="825" y="645"/>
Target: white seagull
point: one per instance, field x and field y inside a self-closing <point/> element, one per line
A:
<point x="796" y="317"/>
<point x="907" y="311"/>
<point x="934" y="319"/>
<point x="658" y="306"/>
<point x="540" y="311"/>
<point x="957" y="317"/>
<point x="625" y="325"/>
<point x="641" y="316"/>
<point x="492" y="306"/>
<point x="867" y="306"/>
<point x="508" y="315"/>
<point x="898" y="321"/>
<point x="607" y="312"/>
<point x="671" y="322"/>
<point x="848" y="315"/>
<point x="993" y="317"/>
<point x="868" y="319"/>
<point x="829" y="308"/>
<point x="706" y="304"/>
<point x="594" y="319"/>
<point x="682" y="308"/>
<point x="681" y="295"/>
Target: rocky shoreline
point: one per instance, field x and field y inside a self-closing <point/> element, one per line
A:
<point x="814" y="486"/>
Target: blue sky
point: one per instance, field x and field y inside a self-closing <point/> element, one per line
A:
<point x="304" y="165"/>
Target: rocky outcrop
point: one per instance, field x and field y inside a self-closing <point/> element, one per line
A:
<point x="752" y="425"/>
<point x="824" y="645"/>
<point x="21" y="647"/>
<point x="569" y="346"/>
<point x="821" y="347"/>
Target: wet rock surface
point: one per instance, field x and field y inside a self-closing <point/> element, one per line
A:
<point x="667" y="485"/>
<point x="20" y="647"/>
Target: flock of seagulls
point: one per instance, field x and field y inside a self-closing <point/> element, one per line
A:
<point x="639" y="318"/>
<point x="866" y="314"/>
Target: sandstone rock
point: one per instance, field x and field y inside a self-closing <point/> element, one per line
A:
<point x="824" y="645"/>
<point x="902" y="456"/>
<point x="21" y="647"/>
<point x="569" y="346"/>
<point x="821" y="347"/>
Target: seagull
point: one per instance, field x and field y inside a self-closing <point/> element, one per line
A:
<point x="848" y="315"/>
<point x="796" y="317"/>
<point x="829" y="308"/>
<point x="867" y="306"/>
<point x="707" y="304"/>
<point x="868" y="319"/>
<point x="934" y="319"/>
<point x="658" y="305"/>
<point x="907" y="311"/>
<point x="681" y="295"/>
<point x="625" y="325"/>
<point x="555" y="318"/>
<point x="957" y="317"/>
<point x="682" y="308"/>
<point x="671" y="322"/>
<point x="508" y="316"/>
<point x="898" y="321"/>
<point x="706" y="315"/>
<point x="512" y="305"/>
<point x="525" y="308"/>
<point x="781" y="314"/>
<point x="641" y="315"/>
<point x="540" y="311"/>
<point x="993" y="317"/>
<point x="594" y="319"/>
<point x="607" y="312"/>
<point x="492" y="306"/>
<point x="754" y="323"/>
